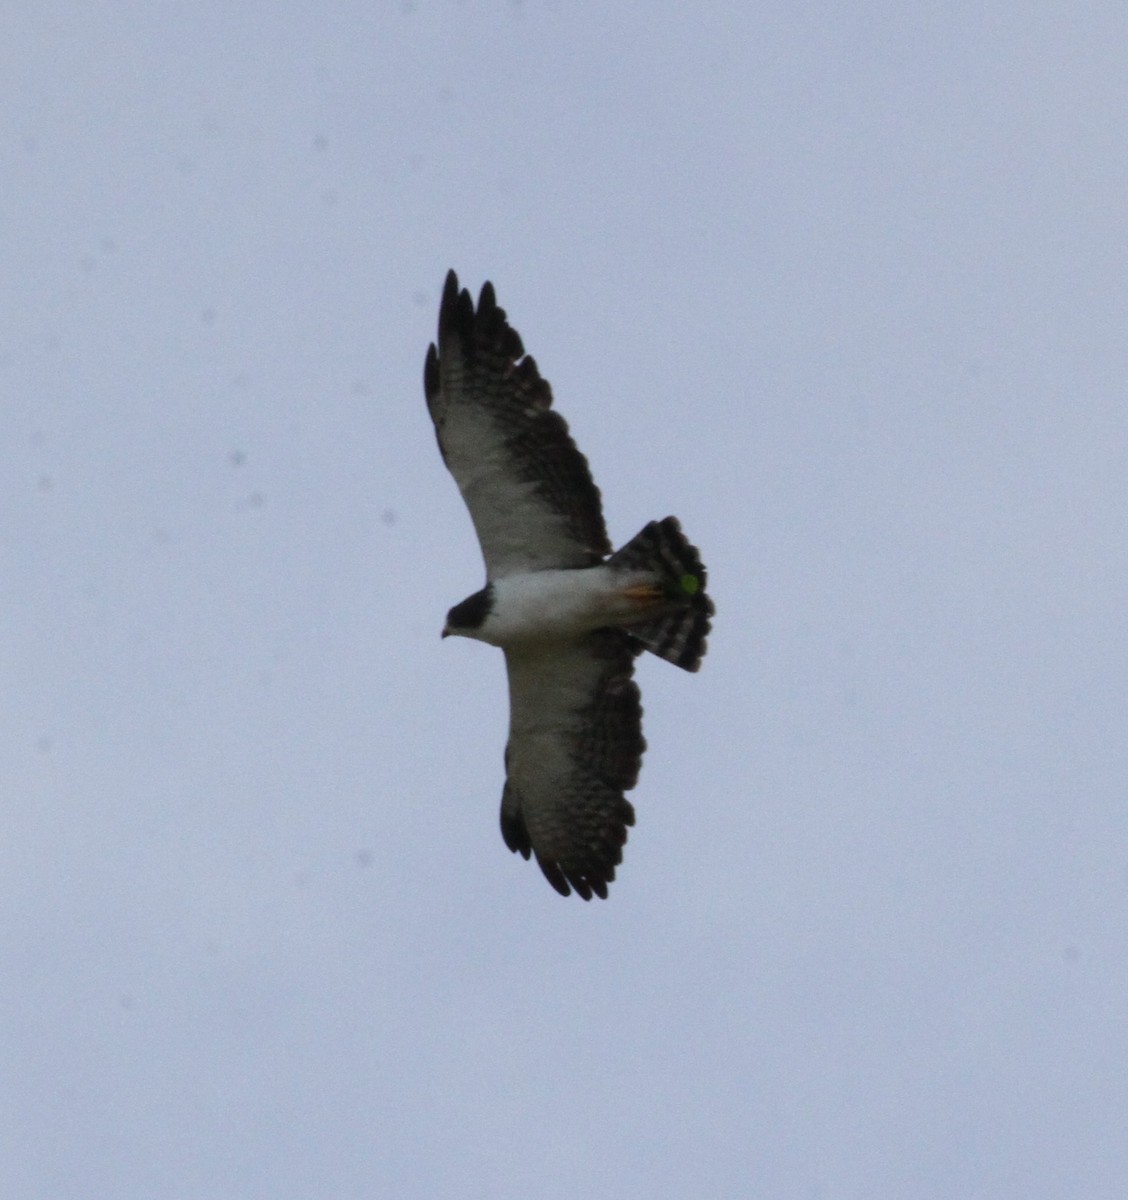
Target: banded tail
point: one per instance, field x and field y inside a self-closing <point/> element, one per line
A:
<point x="678" y="635"/>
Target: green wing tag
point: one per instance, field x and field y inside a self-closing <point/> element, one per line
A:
<point x="690" y="584"/>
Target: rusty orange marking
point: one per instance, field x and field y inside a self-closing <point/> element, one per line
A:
<point x="644" y="594"/>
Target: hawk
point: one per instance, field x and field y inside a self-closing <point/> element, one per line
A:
<point x="570" y="614"/>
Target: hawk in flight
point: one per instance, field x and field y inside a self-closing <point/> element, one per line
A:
<point x="570" y="614"/>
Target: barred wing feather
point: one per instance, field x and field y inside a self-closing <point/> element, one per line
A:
<point x="529" y="490"/>
<point x="575" y="746"/>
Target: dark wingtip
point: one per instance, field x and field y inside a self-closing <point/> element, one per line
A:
<point x="584" y="884"/>
<point x="555" y="876"/>
<point x="514" y="831"/>
<point x="456" y="309"/>
<point x="449" y="305"/>
<point x="431" y="373"/>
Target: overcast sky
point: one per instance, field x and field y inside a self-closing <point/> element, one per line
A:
<point x="842" y="286"/>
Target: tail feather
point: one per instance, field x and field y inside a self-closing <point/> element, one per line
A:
<point x="678" y="633"/>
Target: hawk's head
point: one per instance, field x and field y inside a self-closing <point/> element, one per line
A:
<point x="466" y="619"/>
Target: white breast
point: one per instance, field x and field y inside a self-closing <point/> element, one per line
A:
<point x="551" y="604"/>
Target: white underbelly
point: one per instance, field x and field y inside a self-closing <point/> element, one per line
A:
<point x="550" y="604"/>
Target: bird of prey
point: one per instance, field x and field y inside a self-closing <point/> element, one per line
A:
<point x="570" y="614"/>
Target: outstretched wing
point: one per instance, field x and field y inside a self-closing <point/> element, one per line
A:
<point x="575" y="746"/>
<point x="528" y="489"/>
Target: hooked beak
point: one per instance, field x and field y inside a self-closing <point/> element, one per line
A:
<point x="445" y="632"/>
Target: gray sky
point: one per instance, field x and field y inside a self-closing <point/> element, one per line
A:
<point x="843" y="287"/>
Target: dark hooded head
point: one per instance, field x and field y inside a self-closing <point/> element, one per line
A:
<point x="467" y="618"/>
